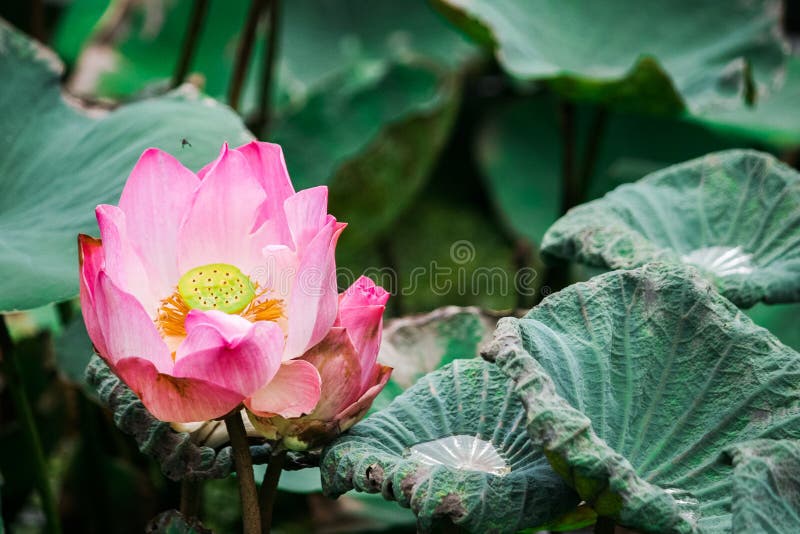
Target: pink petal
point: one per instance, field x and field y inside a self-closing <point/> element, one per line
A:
<point x="361" y="309"/>
<point x="156" y="197"/>
<point x="179" y="400"/>
<point x="356" y="411"/>
<point x="123" y="263"/>
<point x="90" y="252"/>
<point x="278" y="273"/>
<point x="312" y="304"/>
<point x="127" y="329"/>
<point x="337" y="362"/>
<point x="294" y="391"/>
<point x="218" y="224"/>
<point x="267" y="164"/>
<point x="363" y="292"/>
<point x="364" y="326"/>
<point x="306" y="215"/>
<point x="229" y="351"/>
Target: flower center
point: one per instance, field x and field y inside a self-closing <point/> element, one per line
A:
<point x="217" y="286"/>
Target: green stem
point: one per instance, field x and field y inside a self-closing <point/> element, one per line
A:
<point x="243" y="53"/>
<point x="596" y="130"/>
<point x="604" y="525"/>
<point x="244" y="473"/>
<point x="571" y="190"/>
<point x="198" y="15"/>
<point x="11" y="368"/>
<point x="269" y="489"/>
<point x="190" y="498"/>
<point x="264" y="115"/>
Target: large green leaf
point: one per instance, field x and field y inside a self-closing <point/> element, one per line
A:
<point x="453" y="447"/>
<point x="735" y="215"/>
<point x="766" y="486"/>
<point x="773" y="121"/>
<point x="653" y="55"/>
<point x="636" y="381"/>
<point x="520" y="153"/>
<point x="61" y="161"/>
<point x="419" y="344"/>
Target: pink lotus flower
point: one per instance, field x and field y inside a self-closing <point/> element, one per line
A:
<point x="351" y="378"/>
<point x="208" y="286"/>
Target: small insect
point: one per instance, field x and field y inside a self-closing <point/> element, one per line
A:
<point x="185" y="143"/>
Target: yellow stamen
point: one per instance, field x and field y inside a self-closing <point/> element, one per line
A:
<point x="173" y="310"/>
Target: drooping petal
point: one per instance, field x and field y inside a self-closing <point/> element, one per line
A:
<point x="293" y="391"/>
<point x="337" y="362"/>
<point x="229" y="351"/>
<point x="174" y="399"/>
<point x="156" y="197"/>
<point x="218" y="224"/>
<point x="312" y="305"/>
<point x="356" y="411"/>
<point x="122" y="260"/>
<point x="306" y="215"/>
<point x="127" y="329"/>
<point x="90" y="251"/>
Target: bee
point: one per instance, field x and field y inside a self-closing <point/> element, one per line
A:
<point x="185" y="143"/>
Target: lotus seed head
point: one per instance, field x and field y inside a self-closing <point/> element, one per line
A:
<point x="216" y="286"/>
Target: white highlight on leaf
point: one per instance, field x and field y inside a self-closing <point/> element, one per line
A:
<point x="461" y="452"/>
<point x="722" y="261"/>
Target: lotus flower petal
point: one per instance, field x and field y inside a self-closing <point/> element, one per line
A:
<point x="158" y="193"/>
<point x="312" y="307"/>
<point x="229" y="351"/>
<point x="217" y="226"/>
<point x="293" y="391"/>
<point x="170" y="398"/>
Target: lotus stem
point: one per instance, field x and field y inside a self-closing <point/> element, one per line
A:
<point x="244" y="473"/>
<point x="243" y="52"/>
<point x="190" y="498"/>
<point x="596" y="130"/>
<point x="269" y="488"/>
<point x="264" y="116"/>
<point x="11" y="368"/>
<point x="198" y="15"/>
<point x="570" y="195"/>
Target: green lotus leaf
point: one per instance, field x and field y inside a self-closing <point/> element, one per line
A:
<point x="180" y="454"/>
<point x="419" y="344"/>
<point x="61" y="161"/>
<point x="452" y="447"/>
<point x="636" y="381"/>
<point x="766" y="486"/>
<point x="520" y="153"/>
<point x="735" y="215"/>
<point x="704" y="55"/>
<point x="773" y="121"/>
